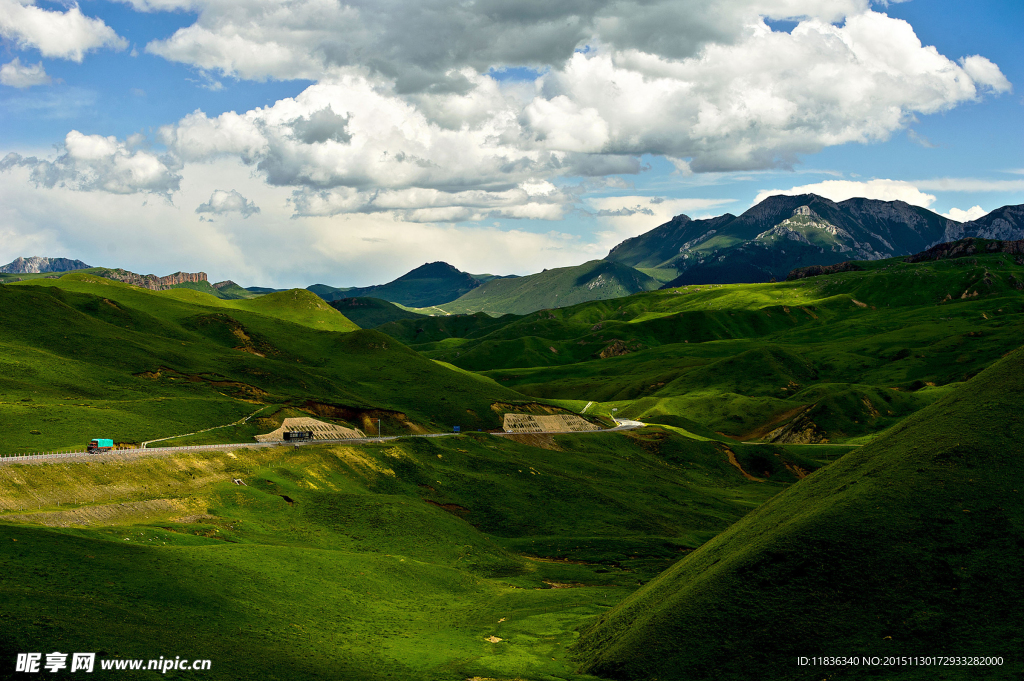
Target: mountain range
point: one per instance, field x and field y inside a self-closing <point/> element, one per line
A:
<point x="783" y="233"/>
<point x="765" y="243"/>
<point x="427" y="285"/>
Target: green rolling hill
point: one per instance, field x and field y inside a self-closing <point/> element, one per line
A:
<point x="369" y="313"/>
<point x="559" y="287"/>
<point x="909" y="546"/>
<point x="84" y="357"/>
<point x="838" y="357"/>
<point x="426" y="559"/>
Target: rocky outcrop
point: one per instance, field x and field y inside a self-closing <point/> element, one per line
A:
<point x="967" y="247"/>
<point x="36" y="264"/>
<point x="818" y="270"/>
<point x="153" y="282"/>
<point x="222" y="284"/>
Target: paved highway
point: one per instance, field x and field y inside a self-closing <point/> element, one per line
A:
<point x="123" y="454"/>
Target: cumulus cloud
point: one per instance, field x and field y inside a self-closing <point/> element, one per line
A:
<point x="228" y="202"/>
<point x="972" y="213"/>
<point x="276" y="248"/>
<point x="424" y="44"/>
<point x="65" y="35"/>
<point x="98" y="163"/>
<point x="841" y="190"/>
<point x="16" y="74"/>
<point x="406" y="118"/>
<point x="986" y="74"/>
<point x="749" y="102"/>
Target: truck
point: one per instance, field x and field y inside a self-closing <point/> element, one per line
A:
<point x="100" y="444"/>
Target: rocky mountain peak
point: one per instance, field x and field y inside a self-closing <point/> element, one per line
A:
<point x="37" y="264"/>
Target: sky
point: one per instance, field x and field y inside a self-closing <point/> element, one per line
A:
<point x="316" y="141"/>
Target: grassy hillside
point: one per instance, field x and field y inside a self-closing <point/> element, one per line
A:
<point x="559" y="287"/>
<point x="909" y="546"/>
<point x="399" y="560"/>
<point x="369" y="313"/>
<point x="86" y="357"/>
<point x="837" y="358"/>
<point x="426" y="330"/>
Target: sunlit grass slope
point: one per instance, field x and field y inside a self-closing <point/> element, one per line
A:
<point x="390" y="561"/>
<point x="558" y="287"/>
<point x="85" y="357"/>
<point x="909" y="546"/>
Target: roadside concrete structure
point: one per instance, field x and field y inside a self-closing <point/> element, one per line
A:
<point x="531" y="423"/>
<point x="321" y="430"/>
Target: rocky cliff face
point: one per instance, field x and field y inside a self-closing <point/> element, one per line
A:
<point x="36" y="264"/>
<point x="1005" y="224"/>
<point x="153" y="282"/>
<point x="967" y="247"/>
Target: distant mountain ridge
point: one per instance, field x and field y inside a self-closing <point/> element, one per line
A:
<point x="783" y="233"/>
<point x="431" y="284"/>
<point x="38" y="265"/>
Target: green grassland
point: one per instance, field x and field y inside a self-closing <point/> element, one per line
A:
<point x="908" y="546"/>
<point x="839" y="357"/>
<point x="372" y="312"/>
<point x="559" y="287"/>
<point x="389" y="561"/>
<point x="84" y="357"/>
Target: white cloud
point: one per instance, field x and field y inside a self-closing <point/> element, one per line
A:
<point x="986" y="74"/>
<point x="751" y="103"/>
<point x="16" y="74"/>
<point x="350" y="146"/>
<point x="840" y="190"/>
<point x="918" y="138"/>
<point x="97" y="163"/>
<point x="966" y="215"/>
<point x="425" y="43"/>
<point x="970" y="184"/>
<point x="65" y="35"/>
<point x="228" y="202"/>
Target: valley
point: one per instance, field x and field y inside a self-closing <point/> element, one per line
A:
<point x="799" y="443"/>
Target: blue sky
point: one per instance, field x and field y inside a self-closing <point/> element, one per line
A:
<point x="145" y="134"/>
